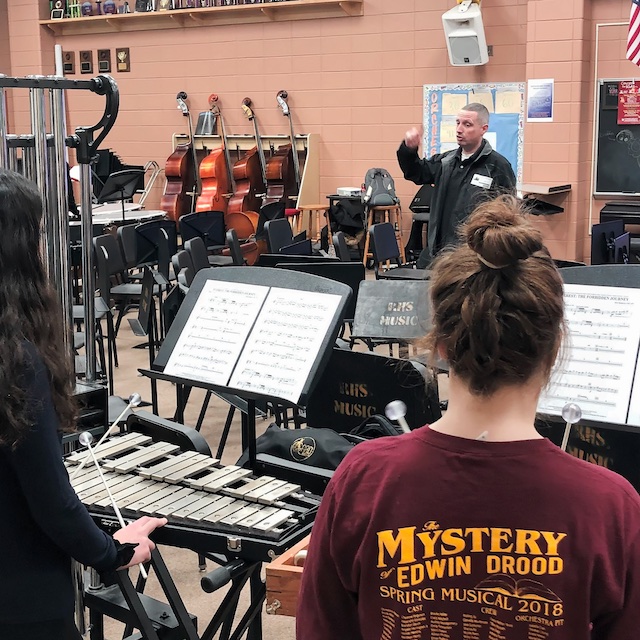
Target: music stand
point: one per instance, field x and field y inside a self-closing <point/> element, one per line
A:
<point x="121" y="185"/>
<point x="622" y="248"/>
<point x="603" y="237"/>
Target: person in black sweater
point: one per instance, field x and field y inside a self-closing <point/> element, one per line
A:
<point x="43" y="524"/>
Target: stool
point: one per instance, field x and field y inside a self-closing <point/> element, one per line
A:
<point x="393" y="214"/>
<point x="294" y="216"/>
<point x="313" y="220"/>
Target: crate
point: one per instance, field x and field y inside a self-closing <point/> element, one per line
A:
<point x="283" y="581"/>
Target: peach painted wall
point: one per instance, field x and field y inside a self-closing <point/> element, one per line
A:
<point x="356" y="81"/>
<point x="5" y="57"/>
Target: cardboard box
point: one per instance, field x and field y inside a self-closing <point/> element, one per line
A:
<point x="283" y="581"/>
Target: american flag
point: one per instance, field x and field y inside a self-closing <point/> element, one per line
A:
<point x="633" y="37"/>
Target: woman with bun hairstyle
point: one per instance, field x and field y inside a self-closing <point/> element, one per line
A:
<point x="477" y="527"/>
<point x="42" y="522"/>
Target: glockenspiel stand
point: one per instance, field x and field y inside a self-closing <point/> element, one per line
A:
<point x="122" y="601"/>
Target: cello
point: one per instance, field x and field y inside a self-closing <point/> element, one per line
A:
<point x="282" y="170"/>
<point x="215" y="170"/>
<point x="249" y="174"/>
<point x="180" y="172"/>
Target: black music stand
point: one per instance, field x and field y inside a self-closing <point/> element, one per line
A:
<point x="603" y="237"/>
<point x="237" y="376"/>
<point x="622" y="248"/>
<point x="615" y="445"/>
<point x="377" y="380"/>
<point x="121" y="186"/>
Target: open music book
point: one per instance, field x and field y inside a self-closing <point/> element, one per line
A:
<point x="262" y="339"/>
<point x="598" y="366"/>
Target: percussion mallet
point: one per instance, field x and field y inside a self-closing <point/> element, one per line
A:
<point x="397" y="410"/>
<point x="134" y="401"/>
<point x="571" y="413"/>
<point x="85" y="439"/>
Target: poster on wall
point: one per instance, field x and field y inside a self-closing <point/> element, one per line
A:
<point x="505" y="103"/>
<point x="629" y="102"/>
<point x="540" y="100"/>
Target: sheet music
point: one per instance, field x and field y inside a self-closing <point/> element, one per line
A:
<point x="599" y="364"/>
<point x="213" y="337"/>
<point x="285" y="342"/>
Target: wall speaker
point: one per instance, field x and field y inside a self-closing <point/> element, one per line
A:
<point x="464" y="32"/>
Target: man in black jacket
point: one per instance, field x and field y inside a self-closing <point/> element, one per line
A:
<point x="462" y="178"/>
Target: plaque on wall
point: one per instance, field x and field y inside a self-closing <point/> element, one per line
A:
<point x="86" y="62"/>
<point x="104" y="61"/>
<point x="123" y="60"/>
<point x="68" y="63"/>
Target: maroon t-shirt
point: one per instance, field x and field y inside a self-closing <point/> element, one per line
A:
<point x="434" y="537"/>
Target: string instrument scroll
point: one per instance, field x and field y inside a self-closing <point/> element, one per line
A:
<point x="282" y="183"/>
<point x="281" y="98"/>
<point x="215" y="170"/>
<point x="181" y="173"/>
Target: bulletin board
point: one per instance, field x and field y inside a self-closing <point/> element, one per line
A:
<point x="617" y="158"/>
<point x="505" y="102"/>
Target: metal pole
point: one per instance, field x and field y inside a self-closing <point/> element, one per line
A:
<point x="39" y="131"/>
<point x="12" y="147"/>
<point x="60" y="219"/>
<point x="88" y="293"/>
<point x="4" y="155"/>
<point x="27" y="142"/>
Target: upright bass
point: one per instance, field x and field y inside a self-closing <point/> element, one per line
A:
<point x="181" y="173"/>
<point x="215" y="170"/>
<point x="249" y="175"/>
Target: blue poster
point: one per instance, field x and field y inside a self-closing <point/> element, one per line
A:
<point x="505" y="103"/>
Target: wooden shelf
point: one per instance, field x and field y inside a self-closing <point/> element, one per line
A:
<point x="213" y="16"/>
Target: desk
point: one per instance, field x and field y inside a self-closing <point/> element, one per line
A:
<point x="110" y="217"/>
<point x="113" y="207"/>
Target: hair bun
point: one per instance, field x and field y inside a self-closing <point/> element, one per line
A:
<point x="500" y="234"/>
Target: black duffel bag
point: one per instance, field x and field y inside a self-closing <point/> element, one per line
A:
<point x="318" y="447"/>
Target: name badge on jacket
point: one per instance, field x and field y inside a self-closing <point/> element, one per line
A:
<point x="481" y="181"/>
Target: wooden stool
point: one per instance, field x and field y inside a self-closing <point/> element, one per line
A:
<point x="294" y="216"/>
<point x="311" y="215"/>
<point x="393" y="214"/>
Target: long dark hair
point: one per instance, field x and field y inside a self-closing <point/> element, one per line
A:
<point x="28" y="311"/>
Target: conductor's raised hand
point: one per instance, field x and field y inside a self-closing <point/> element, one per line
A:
<point x="413" y="137"/>
<point x="138" y="532"/>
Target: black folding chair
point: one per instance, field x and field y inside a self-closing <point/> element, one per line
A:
<point x="385" y="249"/>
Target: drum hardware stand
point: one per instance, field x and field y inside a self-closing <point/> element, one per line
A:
<point x="49" y="172"/>
<point x="158" y="620"/>
<point x="154" y="619"/>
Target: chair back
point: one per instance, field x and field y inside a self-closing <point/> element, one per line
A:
<point x="157" y="241"/>
<point x="109" y="262"/>
<point x="384" y="244"/>
<point x="129" y="244"/>
<point x="180" y="261"/>
<point x="340" y="245"/>
<point x="208" y="225"/>
<point x="279" y="234"/>
<point x="198" y="253"/>
<point x="234" y="248"/>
